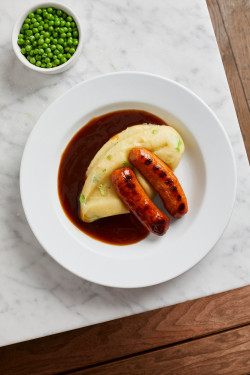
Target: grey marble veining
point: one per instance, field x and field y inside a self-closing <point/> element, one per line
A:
<point x="170" y="38"/>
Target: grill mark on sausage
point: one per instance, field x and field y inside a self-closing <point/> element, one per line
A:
<point x="181" y="207"/>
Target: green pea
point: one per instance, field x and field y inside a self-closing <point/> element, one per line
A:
<point x="37" y="36"/>
<point x="57" y="61"/>
<point x="68" y="55"/>
<point x="23" y="51"/>
<point x="63" y="60"/>
<point x="36" y="24"/>
<point x="57" y="22"/>
<point x="75" y="33"/>
<point x="35" y="30"/>
<point x="40" y="28"/>
<point x="33" y="20"/>
<point x="49" y="65"/>
<point x="40" y="41"/>
<point x="28" y="48"/>
<point x="66" y="49"/>
<point x="32" y="38"/>
<point x="49" y="10"/>
<point x="64" y="15"/>
<point x="63" y="35"/>
<point x="55" y="34"/>
<point x="39" y="18"/>
<point x="33" y="60"/>
<point x="70" y="42"/>
<point x="72" y="50"/>
<point x="60" y="48"/>
<point x="26" y="26"/>
<point x="46" y="34"/>
<point x="53" y="47"/>
<point x="31" y="53"/>
<point x="38" y="63"/>
<point x="61" y="30"/>
<point x="59" y="12"/>
<point x="39" y="11"/>
<point x="27" y="42"/>
<point x="47" y="60"/>
<point x="42" y="23"/>
<point x="35" y="51"/>
<point x="43" y="65"/>
<point x="56" y="52"/>
<point x="31" y="15"/>
<point x="41" y="51"/>
<point x="47" y="40"/>
<point x="20" y="42"/>
<point x="62" y="23"/>
<point x="27" y="20"/>
<point x="28" y="57"/>
<point x="65" y="44"/>
<point x="54" y="41"/>
<point x="38" y="57"/>
<point x="45" y="45"/>
<point x="34" y="44"/>
<point x="29" y="32"/>
<point x="50" y="55"/>
<point x="73" y="24"/>
<point x="69" y="19"/>
<point x="69" y="35"/>
<point x="60" y="40"/>
<point x="46" y="26"/>
<point x="20" y="36"/>
<point x="75" y="42"/>
<point x="59" y="56"/>
<point x="70" y="29"/>
<point x="42" y="32"/>
<point x="51" y="29"/>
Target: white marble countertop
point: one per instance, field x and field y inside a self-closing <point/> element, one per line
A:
<point x="174" y="39"/>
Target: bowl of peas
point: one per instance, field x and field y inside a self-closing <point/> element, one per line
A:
<point x="48" y="38"/>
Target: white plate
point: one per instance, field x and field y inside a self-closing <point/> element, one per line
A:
<point x="207" y="173"/>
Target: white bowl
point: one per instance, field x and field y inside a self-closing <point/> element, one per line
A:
<point x="207" y="172"/>
<point x="17" y="28"/>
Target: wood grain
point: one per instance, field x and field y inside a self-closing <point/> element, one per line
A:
<point x="236" y="17"/>
<point x="128" y="336"/>
<point x="222" y="354"/>
<point x="229" y="61"/>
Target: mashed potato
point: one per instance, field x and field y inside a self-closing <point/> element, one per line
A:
<point x="98" y="199"/>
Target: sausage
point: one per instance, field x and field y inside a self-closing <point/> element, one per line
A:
<point x="163" y="180"/>
<point x="134" y="197"/>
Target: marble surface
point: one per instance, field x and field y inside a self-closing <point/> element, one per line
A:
<point x="171" y="38"/>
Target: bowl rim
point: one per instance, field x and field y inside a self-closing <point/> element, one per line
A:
<point x="16" y="31"/>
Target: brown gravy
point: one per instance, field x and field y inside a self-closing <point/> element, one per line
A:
<point x="116" y="230"/>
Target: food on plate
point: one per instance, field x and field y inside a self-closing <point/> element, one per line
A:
<point x="163" y="180"/>
<point x="134" y="197"/>
<point x="98" y="198"/>
<point x="48" y="37"/>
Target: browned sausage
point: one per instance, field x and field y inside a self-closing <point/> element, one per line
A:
<point x="163" y="180"/>
<point x="134" y="197"/>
